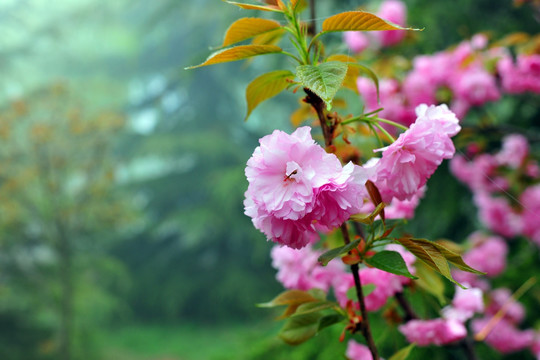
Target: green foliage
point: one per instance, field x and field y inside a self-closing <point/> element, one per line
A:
<point x="265" y="87"/>
<point x="390" y="261"/>
<point x="324" y="79"/>
<point x="325" y="258"/>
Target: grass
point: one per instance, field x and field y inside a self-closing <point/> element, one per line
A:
<point x="206" y="342"/>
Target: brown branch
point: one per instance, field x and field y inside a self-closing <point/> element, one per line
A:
<point x="364" y="324"/>
<point x="328" y="129"/>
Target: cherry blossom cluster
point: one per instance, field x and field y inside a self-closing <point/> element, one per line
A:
<point x="394" y="11"/>
<point x="469" y="75"/>
<point x="299" y="269"/>
<point x="504" y="187"/>
<point x="296" y="188"/>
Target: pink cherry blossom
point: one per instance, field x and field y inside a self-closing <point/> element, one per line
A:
<point x="514" y="311"/>
<point x="515" y="149"/>
<point x="530" y="200"/>
<point x="356" y="351"/>
<point x="296" y="188"/>
<point x="357" y="41"/>
<point x="497" y="215"/>
<point x="433" y="332"/>
<point x="488" y="254"/>
<point x="475" y="86"/>
<point x="299" y="269"/>
<point x="504" y="336"/>
<point x="386" y="286"/>
<point x="394" y="11"/>
<point x="406" y="164"/>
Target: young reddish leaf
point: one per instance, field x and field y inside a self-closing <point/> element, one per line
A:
<point x="403" y="354"/>
<point x="246" y="28"/>
<point x="330" y="254"/>
<point x="290" y="297"/>
<point x="266" y="86"/>
<point x="369" y="219"/>
<point x="358" y="21"/>
<point x="254" y="7"/>
<point x="436" y="256"/>
<point x="300" y="328"/>
<point x="238" y="53"/>
<point x="390" y="261"/>
<point x="269" y="38"/>
<point x="324" y="79"/>
<point x="314" y="307"/>
<point x="375" y="195"/>
<point x="455" y="259"/>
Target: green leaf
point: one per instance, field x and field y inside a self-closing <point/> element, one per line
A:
<point x="329" y="320"/>
<point x="456" y="259"/>
<point x="324" y="79"/>
<point x="403" y="354"/>
<point x="390" y="261"/>
<point x="254" y="7"/>
<point x="430" y="281"/>
<point x="358" y="21"/>
<point x="325" y="258"/>
<point x="246" y="28"/>
<point x="318" y="294"/>
<point x="290" y="297"/>
<point x="366" y="289"/>
<point x="354" y="71"/>
<point x="369" y="219"/>
<point x="430" y="254"/>
<point x="266" y="86"/>
<point x="238" y="53"/>
<point x="300" y="328"/>
<point x="313" y="307"/>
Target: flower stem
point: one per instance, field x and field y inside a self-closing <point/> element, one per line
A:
<point x="364" y="325"/>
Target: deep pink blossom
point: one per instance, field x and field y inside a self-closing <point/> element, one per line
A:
<point x="406" y="164"/>
<point x="433" y="332"/>
<point x="357" y="41"/>
<point x="296" y="188"/>
<point x="488" y="254"/>
<point x="504" y="336"/>
<point x="299" y="269"/>
<point x="514" y="311"/>
<point x="475" y="86"/>
<point x="530" y="200"/>
<point x="479" y="174"/>
<point x="394" y="11"/>
<point x="514" y="151"/>
<point x="356" y="351"/>
<point x="497" y="215"/>
<point x="386" y="285"/>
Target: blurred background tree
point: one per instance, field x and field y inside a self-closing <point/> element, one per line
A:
<point x="122" y="232"/>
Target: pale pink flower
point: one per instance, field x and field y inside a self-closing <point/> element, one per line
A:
<point x="433" y="332"/>
<point x="514" y="311"/>
<point x="488" y="254"/>
<point x="406" y="164"/>
<point x="357" y="41"/>
<point x="529" y="67"/>
<point x="497" y="215"/>
<point x="419" y="89"/>
<point x="479" y="174"/>
<point x="530" y="200"/>
<point x="386" y="285"/>
<point x="514" y="151"/>
<point x="296" y="187"/>
<point x="394" y="11"/>
<point x="475" y="86"/>
<point x="356" y="351"/>
<point x="299" y="268"/>
<point x="390" y="98"/>
<point x="505" y="337"/>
